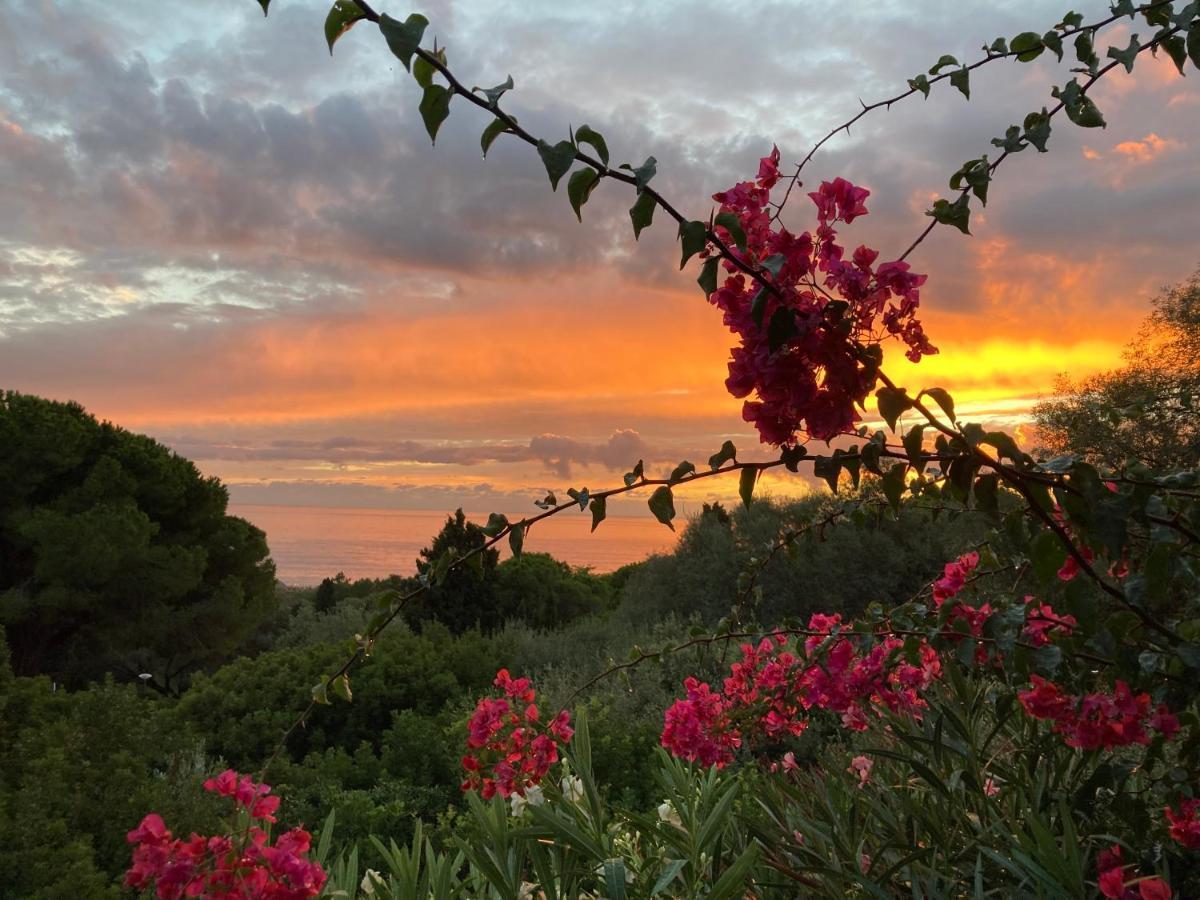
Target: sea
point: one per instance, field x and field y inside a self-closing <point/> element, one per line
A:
<point x="309" y="543"/>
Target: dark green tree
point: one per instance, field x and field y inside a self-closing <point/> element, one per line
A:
<point x="1150" y="409"/>
<point x="116" y="554"/>
<point x="544" y="593"/>
<point x="467" y="597"/>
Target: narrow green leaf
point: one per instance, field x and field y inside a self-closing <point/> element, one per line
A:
<point x="342" y="16"/>
<point x="733" y="225"/>
<point x="599" y="510"/>
<point x="495" y="128"/>
<point x="494" y="94"/>
<point x="943" y="399"/>
<point x="635" y="476"/>
<point x="516" y="538"/>
<point x="957" y="213"/>
<point x="403" y="38"/>
<point x="828" y="468"/>
<point x="782" y="328"/>
<point x="961" y="79"/>
<point x="746" y="482"/>
<point x="643" y="173"/>
<point x="435" y="107"/>
<point x="662" y="504"/>
<point x="585" y="135"/>
<point x="727" y="452"/>
<point x="708" y="275"/>
<point x="580" y="187"/>
<point x="423" y="71"/>
<point x="1127" y="56"/>
<point x="693" y="236"/>
<point x="892" y="403"/>
<point x="642" y="213"/>
<point x="942" y="62"/>
<point x="496" y="523"/>
<point x="557" y="159"/>
<point x="681" y="471"/>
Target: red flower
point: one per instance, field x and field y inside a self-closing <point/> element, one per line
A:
<point x="1185" y="823"/>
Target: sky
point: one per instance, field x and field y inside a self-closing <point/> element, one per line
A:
<point x="215" y="232"/>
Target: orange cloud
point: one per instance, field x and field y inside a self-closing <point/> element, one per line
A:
<point x="1148" y="148"/>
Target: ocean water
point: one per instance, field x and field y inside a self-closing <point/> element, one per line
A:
<point x="309" y="543"/>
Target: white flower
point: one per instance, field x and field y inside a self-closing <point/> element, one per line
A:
<point x="518" y="804"/>
<point x="572" y="788"/>
<point x="534" y="796"/>
<point x="667" y="813"/>
<point x="369" y="881"/>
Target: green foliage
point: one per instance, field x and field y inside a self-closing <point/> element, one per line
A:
<point x="116" y="554"/>
<point x="1147" y="411"/>
<point x="466" y="597"/>
<point x="544" y="593"/>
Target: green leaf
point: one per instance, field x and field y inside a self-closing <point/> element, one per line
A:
<point x="892" y="402"/>
<point x="733" y="225"/>
<point x="662" y="504"/>
<point x="580" y="187"/>
<point x="1027" y="45"/>
<point x="920" y="83"/>
<point x="1053" y="42"/>
<point x="957" y="213"/>
<point x="1085" y="52"/>
<point x="943" y="399"/>
<point x="708" y="275"/>
<point x="1080" y="108"/>
<point x="1127" y="56"/>
<point x="999" y="45"/>
<point x="782" y="328"/>
<point x="495" y="128"/>
<point x="746" y="482"/>
<point x="422" y="71"/>
<point x="516" y="538"/>
<point x="341" y="686"/>
<point x="580" y="497"/>
<point x="548" y="502"/>
<point x="643" y="173"/>
<point x="1176" y="47"/>
<point x="320" y="693"/>
<point x="961" y="79"/>
<point x="912" y="446"/>
<point x="758" y="307"/>
<point x="496" y="523"/>
<point x="828" y="468"/>
<point x="642" y="213"/>
<point x="435" y="107"/>
<point x="1047" y="554"/>
<point x="264" y="4"/>
<point x="1037" y="129"/>
<point x="791" y="456"/>
<point x="1193" y="43"/>
<point x="342" y="16"/>
<point x="1047" y="659"/>
<point x="636" y="475"/>
<point x="893" y="484"/>
<point x="774" y="263"/>
<point x="1012" y="142"/>
<point x="585" y="135"/>
<point x="727" y="452"/>
<point x="1070" y="20"/>
<point x="599" y="510"/>
<point x="681" y="471"/>
<point x="494" y="94"/>
<point x="942" y="62"/>
<point x="975" y="174"/>
<point x="557" y="159"/>
<point x="987" y="494"/>
<point x="1005" y="446"/>
<point x="693" y="236"/>
<point x="403" y="38"/>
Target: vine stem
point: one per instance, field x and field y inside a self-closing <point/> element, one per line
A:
<point x="794" y="182"/>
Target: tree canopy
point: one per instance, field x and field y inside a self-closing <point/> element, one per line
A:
<point x="116" y="554"/>
<point x="1149" y="410"/>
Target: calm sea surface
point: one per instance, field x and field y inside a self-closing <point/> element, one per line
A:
<point x="309" y="543"/>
